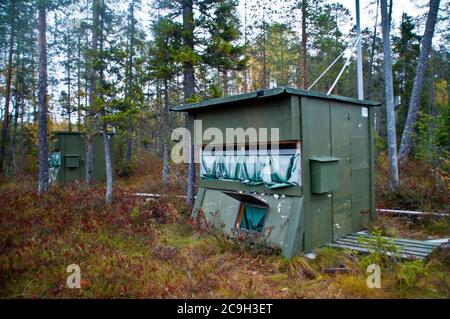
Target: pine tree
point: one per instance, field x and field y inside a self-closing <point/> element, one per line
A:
<point x="222" y="52"/>
<point x="4" y="133"/>
<point x="93" y="79"/>
<point x="163" y="66"/>
<point x="42" y="99"/>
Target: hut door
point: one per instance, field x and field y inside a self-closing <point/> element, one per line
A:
<point x="340" y="147"/>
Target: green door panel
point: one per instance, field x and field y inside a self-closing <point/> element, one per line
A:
<point x="340" y="147"/>
<point x="361" y="170"/>
<point x="315" y="119"/>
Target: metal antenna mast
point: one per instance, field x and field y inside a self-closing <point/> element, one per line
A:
<point x="359" y="49"/>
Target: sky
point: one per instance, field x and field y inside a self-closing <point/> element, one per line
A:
<point x="367" y="8"/>
<point x="412" y="7"/>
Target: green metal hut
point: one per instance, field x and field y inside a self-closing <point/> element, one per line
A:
<point x="67" y="160"/>
<point x="323" y="187"/>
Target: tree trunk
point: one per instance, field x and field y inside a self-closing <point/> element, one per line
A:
<point x="225" y="82"/>
<point x="14" y="137"/>
<point x="17" y="98"/>
<point x="158" y="133"/>
<point x="246" y="46"/>
<point x="130" y="83"/>
<point x="42" y="101"/>
<point x="414" y="103"/>
<point x="79" y="82"/>
<point x="106" y="138"/>
<point x="4" y="135"/>
<point x="18" y="102"/>
<point x="22" y="136"/>
<point x="129" y="150"/>
<point x="108" y="163"/>
<point x="389" y="93"/>
<point x="90" y="117"/>
<point x="188" y="90"/>
<point x="264" y="56"/>
<point x="372" y="56"/>
<point x="165" y="172"/>
<point x="304" y="55"/>
<point x="69" y="106"/>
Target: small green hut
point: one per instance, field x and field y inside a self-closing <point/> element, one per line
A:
<point x="67" y="159"/>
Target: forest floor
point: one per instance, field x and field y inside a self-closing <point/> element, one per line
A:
<point x="151" y="249"/>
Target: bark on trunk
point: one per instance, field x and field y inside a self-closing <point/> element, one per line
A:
<point x="129" y="150"/>
<point x="108" y="163"/>
<point x="79" y="83"/>
<point x="14" y="137"/>
<point x="69" y="84"/>
<point x="17" y="100"/>
<point x="372" y="56"/>
<point x="414" y="103"/>
<point x="389" y="93"/>
<point x="42" y="96"/>
<point x="90" y="121"/>
<point x="130" y="83"/>
<point x="304" y="84"/>
<point x="225" y="82"/>
<point x="4" y="135"/>
<point x="188" y="90"/>
<point x="165" y="172"/>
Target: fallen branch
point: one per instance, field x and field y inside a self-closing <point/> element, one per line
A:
<point x="157" y="196"/>
<point x="409" y="213"/>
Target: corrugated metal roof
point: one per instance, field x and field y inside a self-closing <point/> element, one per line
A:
<point x="268" y="93"/>
<point x="406" y="248"/>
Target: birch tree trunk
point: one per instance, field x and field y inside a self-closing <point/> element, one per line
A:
<point x="389" y="93"/>
<point x="42" y="101"/>
<point x="414" y="103"/>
